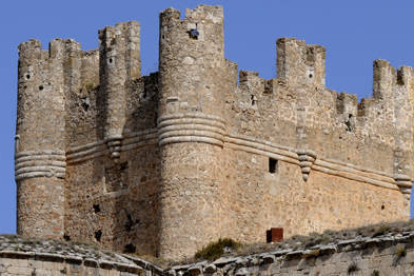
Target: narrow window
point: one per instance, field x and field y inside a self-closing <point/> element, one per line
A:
<point x="272" y="165"/>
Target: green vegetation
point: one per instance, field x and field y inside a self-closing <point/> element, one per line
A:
<point x="400" y="251"/>
<point x="375" y="273"/>
<point x="381" y="230"/>
<point x="89" y="86"/>
<point x="215" y="250"/>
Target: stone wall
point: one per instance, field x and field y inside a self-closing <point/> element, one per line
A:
<point x="30" y="257"/>
<point x="163" y="164"/>
<point x="380" y="254"/>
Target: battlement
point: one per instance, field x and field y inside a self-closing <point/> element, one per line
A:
<point x="134" y="161"/>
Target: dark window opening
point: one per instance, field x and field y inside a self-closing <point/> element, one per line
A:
<point x="124" y="166"/>
<point x="110" y="60"/>
<point x="66" y="237"/>
<point x="254" y="100"/>
<point x="272" y="165"/>
<point x="96" y="208"/>
<point x="41" y="87"/>
<point x="28" y="76"/>
<point x="194" y="33"/>
<point x="129" y="223"/>
<point x="382" y="207"/>
<point x="98" y="235"/>
<point x="130" y="248"/>
<point x="85" y="104"/>
<point x="349" y="123"/>
<point x="310" y="76"/>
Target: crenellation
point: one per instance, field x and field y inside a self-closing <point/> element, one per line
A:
<point x="347" y="104"/>
<point x="288" y="58"/>
<point x="384" y="80"/>
<point x="134" y="162"/>
<point x="315" y="65"/>
<point x="251" y="87"/>
<point x="300" y="63"/>
<point x="90" y="68"/>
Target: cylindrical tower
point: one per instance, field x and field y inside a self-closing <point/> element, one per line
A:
<point x="120" y="64"/>
<point x="40" y="148"/>
<point x="191" y="128"/>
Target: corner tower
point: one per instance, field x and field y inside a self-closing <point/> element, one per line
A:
<point x="190" y="128"/>
<point x="40" y="147"/>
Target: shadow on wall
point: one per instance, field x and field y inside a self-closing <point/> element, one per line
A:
<point x="127" y="213"/>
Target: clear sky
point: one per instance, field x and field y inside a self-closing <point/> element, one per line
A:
<point x="354" y="32"/>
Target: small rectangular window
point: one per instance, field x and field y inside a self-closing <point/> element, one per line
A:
<point x="272" y="165"/>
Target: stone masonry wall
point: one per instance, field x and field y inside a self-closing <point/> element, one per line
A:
<point x="163" y="164"/>
<point x="33" y="257"/>
<point x="381" y="253"/>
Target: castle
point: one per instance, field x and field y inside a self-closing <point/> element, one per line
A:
<point x="164" y="164"/>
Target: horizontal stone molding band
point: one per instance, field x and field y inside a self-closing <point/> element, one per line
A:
<point x="327" y="166"/>
<point x="98" y="149"/>
<point x="191" y="127"/>
<point x="175" y="131"/>
<point x="61" y="158"/>
<point x="189" y="133"/>
<point x="90" y="152"/>
<point x="353" y="176"/>
<point x="138" y="144"/>
<point x="187" y="127"/>
<point x="82" y="148"/>
<point x="194" y="139"/>
<point x="262" y="145"/>
<point x="41" y="168"/>
<point x="359" y="168"/>
<point x="261" y="152"/>
<point x="48" y="174"/>
<point x="37" y="153"/>
<point x="192" y="121"/>
<point x="196" y="115"/>
<point x="42" y="162"/>
<point x="47" y="163"/>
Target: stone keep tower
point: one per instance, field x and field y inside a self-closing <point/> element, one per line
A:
<point x="164" y="164"/>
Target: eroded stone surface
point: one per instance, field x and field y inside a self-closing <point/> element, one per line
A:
<point x="164" y="164"/>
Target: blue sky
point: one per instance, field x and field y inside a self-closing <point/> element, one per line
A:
<point x="354" y="33"/>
